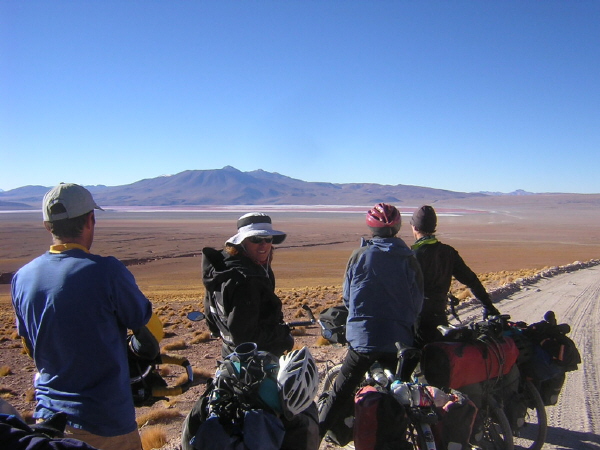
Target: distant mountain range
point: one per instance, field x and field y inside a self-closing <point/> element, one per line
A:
<point x="230" y="186"/>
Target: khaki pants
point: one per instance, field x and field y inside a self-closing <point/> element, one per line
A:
<point x="130" y="441"/>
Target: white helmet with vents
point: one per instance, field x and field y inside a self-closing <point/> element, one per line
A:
<point x="298" y="380"/>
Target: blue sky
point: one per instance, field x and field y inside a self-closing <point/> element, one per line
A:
<point x="459" y="95"/>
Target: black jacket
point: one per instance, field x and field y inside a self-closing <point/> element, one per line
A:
<point x="439" y="263"/>
<point x="240" y="303"/>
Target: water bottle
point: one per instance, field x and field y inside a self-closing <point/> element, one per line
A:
<point x="388" y="374"/>
<point x="420" y="396"/>
<point x="401" y="392"/>
<point x="378" y="374"/>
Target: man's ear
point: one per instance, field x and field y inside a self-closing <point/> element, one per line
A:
<point x="91" y="220"/>
<point x="47" y="227"/>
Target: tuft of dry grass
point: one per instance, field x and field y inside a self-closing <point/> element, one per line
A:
<point x="156" y="416"/>
<point x="491" y="280"/>
<point x="30" y="395"/>
<point x="153" y="437"/>
<point x="177" y="345"/>
<point x="164" y="370"/>
<point x="5" y="370"/>
<point x="200" y="336"/>
<point x="181" y="380"/>
<point x="321" y="341"/>
<point x="298" y="331"/>
<point x="202" y="373"/>
<point x="28" y="416"/>
<point x="7" y="392"/>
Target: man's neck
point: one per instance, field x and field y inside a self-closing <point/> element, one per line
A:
<point x="424" y="236"/>
<point x="63" y="244"/>
<point x="59" y="248"/>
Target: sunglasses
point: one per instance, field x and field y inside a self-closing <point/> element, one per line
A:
<point x="260" y="240"/>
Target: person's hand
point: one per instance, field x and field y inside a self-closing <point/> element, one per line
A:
<point x="489" y="311"/>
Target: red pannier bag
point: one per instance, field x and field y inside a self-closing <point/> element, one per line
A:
<point x="457" y="416"/>
<point x="379" y="420"/>
<point x="457" y="364"/>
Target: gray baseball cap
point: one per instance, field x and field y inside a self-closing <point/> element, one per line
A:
<point x="75" y="200"/>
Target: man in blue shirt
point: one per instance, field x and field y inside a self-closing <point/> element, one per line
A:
<point x="73" y="311"/>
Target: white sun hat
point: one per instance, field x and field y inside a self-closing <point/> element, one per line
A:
<point x="255" y="224"/>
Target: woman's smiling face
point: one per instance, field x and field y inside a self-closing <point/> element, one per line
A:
<point x="259" y="248"/>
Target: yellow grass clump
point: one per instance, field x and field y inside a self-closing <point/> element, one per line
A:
<point x="321" y="341"/>
<point x="6" y="392"/>
<point x="298" y="331"/>
<point x="164" y="370"/>
<point x="200" y="336"/>
<point x="156" y="416"/>
<point x="153" y="437"/>
<point x="28" y="416"/>
<point x="201" y="373"/>
<point x="177" y="345"/>
<point x="181" y="380"/>
<point x="30" y="395"/>
<point x="5" y="370"/>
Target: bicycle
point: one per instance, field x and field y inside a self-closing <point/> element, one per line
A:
<point x="418" y="403"/>
<point x="530" y="423"/>
<point x="511" y="409"/>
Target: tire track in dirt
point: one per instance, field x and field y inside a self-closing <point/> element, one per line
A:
<point x="574" y="422"/>
<point x="582" y="391"/>
<point x="580" y="394"/>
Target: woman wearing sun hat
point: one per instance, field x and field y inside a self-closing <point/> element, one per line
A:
<point x="241" y="306"/>
<point x="240" y="301"/>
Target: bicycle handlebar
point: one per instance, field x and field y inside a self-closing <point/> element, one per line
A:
<point x="301" y="323"/>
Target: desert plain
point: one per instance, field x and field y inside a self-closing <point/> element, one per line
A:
<point x="508" y="235"/>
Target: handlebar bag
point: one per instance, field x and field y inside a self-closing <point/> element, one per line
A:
<point x="457" y="364"/>
<point x="334" y="319"/>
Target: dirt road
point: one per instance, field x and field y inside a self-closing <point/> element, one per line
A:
<point x="574" y="423"/>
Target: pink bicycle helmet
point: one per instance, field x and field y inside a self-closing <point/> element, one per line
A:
<point x="384" y="220"/>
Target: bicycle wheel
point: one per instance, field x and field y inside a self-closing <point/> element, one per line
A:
<point x="497" y="434"/>
<point x="420" y="436"/>
<point x="532" y="434"/>
<point x="330" y="377"/>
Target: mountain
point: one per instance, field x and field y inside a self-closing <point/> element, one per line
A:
<point x="230" y="186"/>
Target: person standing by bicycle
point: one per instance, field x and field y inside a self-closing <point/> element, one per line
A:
<point x="439" y="263"/>
<point x="241" y="305"/>
<point x="73" y="310"/>
<point x="383" y="291"/>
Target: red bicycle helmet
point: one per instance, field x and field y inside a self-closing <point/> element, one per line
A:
<point x="384" y="219"/>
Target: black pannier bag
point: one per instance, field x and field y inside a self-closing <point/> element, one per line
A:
<point x="334" y="321"/>
<point x="552" y="337"/>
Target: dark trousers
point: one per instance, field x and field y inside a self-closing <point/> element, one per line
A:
<point x="353" y="370"/>
<point x="428" y="331"/>
<point x="302" y="430"/>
